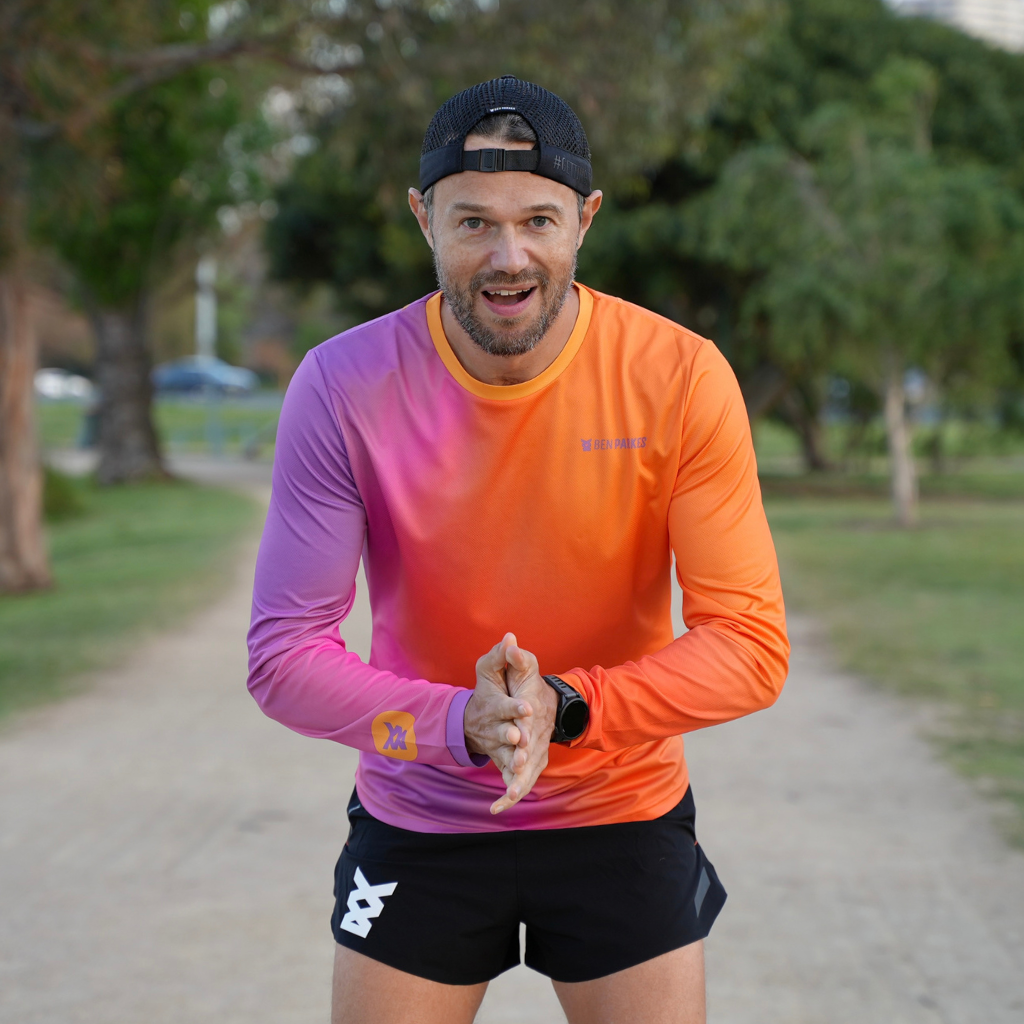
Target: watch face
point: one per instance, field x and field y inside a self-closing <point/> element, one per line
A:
<point x="575" y="716"/>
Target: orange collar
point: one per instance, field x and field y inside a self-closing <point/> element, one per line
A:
<point x="506" y="392"/>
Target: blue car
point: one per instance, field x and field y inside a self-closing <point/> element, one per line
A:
<point x="203" y="373"/>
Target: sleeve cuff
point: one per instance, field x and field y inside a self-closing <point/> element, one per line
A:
<point x="455" y="733"/>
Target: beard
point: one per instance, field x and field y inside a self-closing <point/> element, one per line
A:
<point x="520" y="334"/>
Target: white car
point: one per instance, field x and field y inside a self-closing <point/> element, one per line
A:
<point x="58" y="385"/>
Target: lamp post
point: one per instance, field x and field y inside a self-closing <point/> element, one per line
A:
<point x="206" y="307"/>
<point x="206" y="346"/>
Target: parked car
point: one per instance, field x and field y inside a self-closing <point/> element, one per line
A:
<point x="58" y="385"/>
<point x="203" y="373"/>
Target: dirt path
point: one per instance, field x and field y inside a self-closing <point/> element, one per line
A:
<point x="867" y="884"/>
<point x="166" y="856"/>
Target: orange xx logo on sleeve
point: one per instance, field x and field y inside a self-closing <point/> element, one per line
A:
<point x="394" y="735"/>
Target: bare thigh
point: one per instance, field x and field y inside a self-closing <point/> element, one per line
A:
<point x="369" y="992"/>
<point x="666" y="990"/>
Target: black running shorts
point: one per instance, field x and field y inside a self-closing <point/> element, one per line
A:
<point x="594" y="900"/>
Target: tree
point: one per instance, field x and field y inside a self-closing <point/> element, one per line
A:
<point x="23" y="563"/>
<point x="647" y="247"/>
<point x="726" y="202"/>
<point x="869" y="252"/>
<point x="642" y="74"/>
<point x="64" y="66"/>
<point x="118" y="226"/>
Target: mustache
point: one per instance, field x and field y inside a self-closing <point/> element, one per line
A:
<point x="496" y="279"/>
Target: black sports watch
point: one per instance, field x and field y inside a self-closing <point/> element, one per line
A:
<point x="573" y="713"/>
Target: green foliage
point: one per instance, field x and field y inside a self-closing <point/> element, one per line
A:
<point x="311" y="333"/>
<point x="137" y="129"/>
<point x="142" y="556"/>
<point x="865" y="250"/>
<point x="162" y="178"/>
<point x="334" y="227"/>
<point x="860" y="178"/>
<point x="641" y="74"/>
<point x="62" y="496"/>
<point x="234" y="302"/>
<point x="829" y="51"/>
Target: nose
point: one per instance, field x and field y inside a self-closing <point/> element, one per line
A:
<point x="508" y="255"/>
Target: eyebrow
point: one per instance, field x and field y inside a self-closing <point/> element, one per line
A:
<point x="463" y="207"/>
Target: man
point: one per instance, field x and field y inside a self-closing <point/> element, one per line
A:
<point x="515" y="458"/>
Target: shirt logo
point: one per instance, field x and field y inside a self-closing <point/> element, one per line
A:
<point x="596" y="444"/>
<point x="358" y="919"/>
<point x="394" y="735"/>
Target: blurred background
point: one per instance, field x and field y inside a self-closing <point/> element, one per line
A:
<point x="194" y="194"/>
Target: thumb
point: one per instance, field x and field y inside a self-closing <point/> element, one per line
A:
<point x="522" y="661"/>
<point x="494" y="660"/>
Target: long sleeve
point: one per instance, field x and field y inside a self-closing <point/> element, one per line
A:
<point x="734" y="658"/>
<point x="300" y="672"/>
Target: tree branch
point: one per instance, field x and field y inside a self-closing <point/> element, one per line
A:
<point x="163" y="63"/>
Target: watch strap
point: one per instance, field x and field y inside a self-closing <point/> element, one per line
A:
<point x="571" y="705"/>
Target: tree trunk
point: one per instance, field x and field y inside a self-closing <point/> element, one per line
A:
<point x="936" y="451"/>
<point x="801" y="409"/>
<point x="23" y="560"/>
<point x="762" y="388"/>
<point x="901" y="460"/>
<point x="127" y="441"/>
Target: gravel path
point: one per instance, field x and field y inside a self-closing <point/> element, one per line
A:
<point x="166" y="856"/>
<point x="867" y="884"/>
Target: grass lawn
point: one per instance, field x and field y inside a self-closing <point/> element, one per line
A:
<point x="935" y="612"/>
<point x="186" y="423"/>
<point x="134" y="559"/>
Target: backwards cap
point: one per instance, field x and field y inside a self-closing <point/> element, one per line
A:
<point x="562" y="151"/>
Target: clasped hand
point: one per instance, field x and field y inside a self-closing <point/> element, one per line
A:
<point x="510" y="718"/>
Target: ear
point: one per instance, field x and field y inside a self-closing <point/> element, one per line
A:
<point x="419" y="211"/>
<point x="590" y="207"/>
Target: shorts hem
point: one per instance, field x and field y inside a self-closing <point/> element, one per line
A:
<point x="426" y="973"/>
<point x="712" y="907"/>
<point x="577" y="978"/>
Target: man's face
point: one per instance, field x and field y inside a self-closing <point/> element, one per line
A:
<point x="505" y="251"/>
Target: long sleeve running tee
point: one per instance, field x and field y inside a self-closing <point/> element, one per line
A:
<point x="551" y="509"/>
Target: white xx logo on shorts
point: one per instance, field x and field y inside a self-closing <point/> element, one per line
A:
<point x="357" y="920"/>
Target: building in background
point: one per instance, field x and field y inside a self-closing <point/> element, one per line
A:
<point x="999" y="22"/>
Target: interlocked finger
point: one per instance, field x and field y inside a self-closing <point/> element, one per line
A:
<point x="524" y="680"/>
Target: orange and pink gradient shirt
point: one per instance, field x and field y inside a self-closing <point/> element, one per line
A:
<point x="551" y="509"/>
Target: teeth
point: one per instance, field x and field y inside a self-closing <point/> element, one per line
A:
<point x="495" y="291"/>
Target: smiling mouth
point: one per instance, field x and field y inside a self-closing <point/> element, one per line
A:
<point x="508" y="296"/>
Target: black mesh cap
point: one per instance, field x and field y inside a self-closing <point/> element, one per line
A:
<point x="562" y="152"/>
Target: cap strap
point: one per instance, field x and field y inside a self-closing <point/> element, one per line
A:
<point x="500" y="159"/>
<point x="548" y="161"/>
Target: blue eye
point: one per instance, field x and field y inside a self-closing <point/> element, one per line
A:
<point x="540" y="222"/>
<point x="472" y="223"/>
